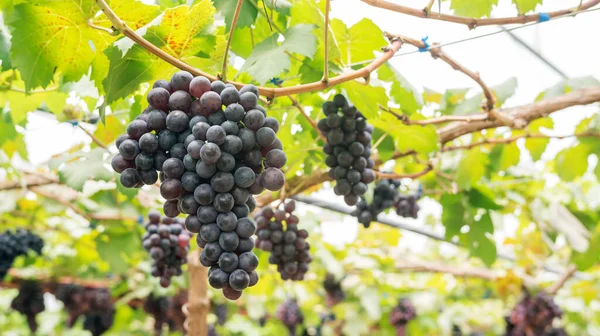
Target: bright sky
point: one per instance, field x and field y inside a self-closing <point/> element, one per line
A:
<point x="567" y="42"/>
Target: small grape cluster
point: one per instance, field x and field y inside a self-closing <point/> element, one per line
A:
<point x="288" y="246"/>
<point x="348" y="148"/>
<point x="29" y="302"/>
<point x="333" y="288"/>
<point x="14" y="244"/>
<point x="533" y="313"/>
<point x="73" y="298"/>
<point x="406" y="205"/>
<point x="95" y="304"/>
<point x="158" y="307"/>
<point x="221" y="312"/>
<point x="168" y="243"/>
<point x="384" y="197"/>
<point x="402" y="313"/>
<point x="290" y="315"/>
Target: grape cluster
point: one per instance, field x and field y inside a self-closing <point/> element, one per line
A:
<point x="334" y="291"/>
<point x="348" y="148"/>
<point x="221" y="312"/>
<point x="158" y="307"/>
<point x="533" y="313"/>
<point x="402" y="313"/>
<point x="214" y="147"/>
<point x="406" y="205"/>
<point x="73" y="298"/>
<point x="14" y="244"/>
<point x="168" y="243"/>
<point x="29" y="302"/>
<point x="385" y="195"/>
<point x="288" y="246"/>
<point x="100" y="314"/>
<point x="290" y="315"/>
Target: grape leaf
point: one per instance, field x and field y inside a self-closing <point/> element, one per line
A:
<point x="504" y="90"/>
<point x="359" y="42"/>
<point x="21" y="103"/>
<point x="480" y="245"/>
<point x="473" y="8"/>
<point x="510" y="156"/>
<point x="453" y="214"/>
<point x="524" y="6"/>
<point x="269" y="59"/>
<point x="109" y="130"/>
<point x="5" y="50"/>
<point x="421" y="139"/>
<point x="480" y="196"/>
<point x="7" y="127"/>
<point x="114" y="248"/>
<point x="88" y="166"/>
<point x="366" y="98"/>
<point x="135" y="13"/>
<point x="537" y="146"/>
<point x="471" y="168"/>
<point x="572" y="162"/>
<point x="403" y="93"/>
<point x="246" y="16"/>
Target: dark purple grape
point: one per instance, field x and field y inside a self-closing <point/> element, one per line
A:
<point x="254" y="119"/>
<point x="234" y="112"/>
<point x="129" y="149"/>
<point x="159" y="98"/>
<point x="177" y="121"/>
<point x="129" y="178"/>
<point x="198" y="86"/>
<point x="119" y="164"/>
<point x="210" y="102"/>
<point x="161" y="83"/>
<point x="248" y="100"/>
<point x="171" y="189"/>
<point x="273" y="179"/>
<point x="181" y="80"/>
<point x="230" y="95"/>
<point x="239" y="280"/>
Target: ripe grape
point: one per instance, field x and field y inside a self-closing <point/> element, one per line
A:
<point x="180" y="100"/>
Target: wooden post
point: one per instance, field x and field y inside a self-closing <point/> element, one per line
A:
<point x="198" y="302"/>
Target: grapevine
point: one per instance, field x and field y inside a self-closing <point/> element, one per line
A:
<point x="168" y="243"/>
<point x="29" y="302"/>
<point x="288" y="246"/>
<point x="348" y="148"/>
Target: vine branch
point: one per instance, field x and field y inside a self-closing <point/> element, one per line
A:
<point x="265" y="91"/>
<point x="325" y="78"/>
<point x="433" y="121"/>
<point x="562" y="280"/>
<point x="307" y="116"/>
<point x="471" y="22"/>
<point x="93" y="137"/>
<point x="236" y="14"/>
<point x="421" y="267"/>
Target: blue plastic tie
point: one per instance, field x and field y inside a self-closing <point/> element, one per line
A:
<point x="426" y="48"/>
<point x="141" y="219"/>
<point x="543" y="17"/>
<point x="276" y="81"/>
<point x="73" y="122"/>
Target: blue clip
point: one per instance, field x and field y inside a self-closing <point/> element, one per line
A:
<point x="543" y="17"/>
<point x="426" y="48"/>
<point x="140" y="219"/>
<point x="276" y="81"/>
<point x="73" y="122"/>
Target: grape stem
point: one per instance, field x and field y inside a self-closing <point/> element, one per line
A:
<point x="471" y="22"/>
<point x="236" y="14"/>
<point x="268" y="92"/>
<point x="93" y="137"/>
<point x="422" y="267"/>
<point x="562" y="280"/>
<point x="307" y="116"/>
<point x="427" y="9"/>
<point x="325" y="78"/>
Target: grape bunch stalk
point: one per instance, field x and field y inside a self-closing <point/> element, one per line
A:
<point x="288" y="246"/>
<point x="403" y="313"/>
<point x="214" y="148"/>
<point x="15" y="244"/>
<point x="333" y="289"/>
<point x="533" y="315"/>
<point x="168" y="243"/>
<point x="348" y="148"/>
<point x="29" y="302"/>
<point x="290" y="315"/>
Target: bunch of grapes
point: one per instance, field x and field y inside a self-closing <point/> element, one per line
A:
<point x="214" y="147"/>
<point x="533" y="313"/>
<point x="29" y="302"/>
<point x="348" y="148"/>
<point x="288" y="246"/>
<point x="158" y="307"/>
<point x="100" y="314"/>
<point x="406" y="205"/>
<point x="290" y="315"/>
<point x="402" y="313"/>
<point x="73" y="298"/>
<point x="384" y="197"/>
<point x="14" y="244"/>
<point x="334" y="291"/>
<point x="168" y="243"/>
<point x="221" y="312"/>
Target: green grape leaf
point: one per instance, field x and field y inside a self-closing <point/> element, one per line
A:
<point x="366" y="98"/>
<point x="473" y="8"/>
<point x="480" y="245"/>
<point x="480" y="196"/>
<point x="246" y="16"/>
<point x="537" y="146"/>
<point x="114" y="249"/>
<point x="423" y="139"/>
<point x="589" y="258"/>
<point x="88" y="166"/>
<point x="7" y="127"/>
<point x="385" y="147"/>
<point x="108" y="131"/>
<point x="358" y="43"/>
<point x="20" y="103"/>
<point x="471" y="168"/>
<point x="403" y="93"/>
<point x="511" y="155"/>
<point x="5" y="51"/>
<point x="524" y="6"/>
<point x="504" y="90"/>
<point x="453" y="214"/>
<point x="572" y="162"/>
<point x="268" y="59"/>
<point x="239" y="43"/>
<point x="450" y="99"/>
<point x="501" y="92"/>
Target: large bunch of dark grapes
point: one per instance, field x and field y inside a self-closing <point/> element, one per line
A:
<point x="533" y="314"/>
<point x="101" y="311"/>
<point x="384" y="197"/>
<point x="278" y="233"/>
<point x="29" y="302"/>
<point x="214" y="147"/>
<point x="348" y="148"/>
<point x="333" y="288"/>
<point x="290" y="315"/>
<point x="168" y="243"/>
<point x="14" y="244"/>
<point x="74" y="299"/>
<point x="402" y="313"/>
